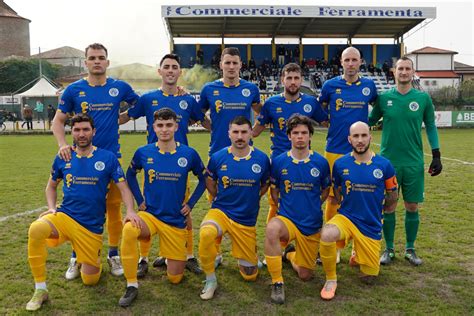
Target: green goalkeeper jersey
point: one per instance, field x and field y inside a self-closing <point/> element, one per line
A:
<point x="403" y="116"/>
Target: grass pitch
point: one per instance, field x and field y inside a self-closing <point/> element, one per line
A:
<point x="442" y="285"/>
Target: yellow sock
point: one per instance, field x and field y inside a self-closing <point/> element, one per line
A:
<point x="114" y="223"/>
<point x="291" y="256"/>
<point x="328" y="254"/>
<point x="175" y="278"/>
<point x="38" y="233"/>
<point x="251" y="277"/>
<point x="129" y="252"/>
<point x="274" y="266"/>
<point x="145" y="245"/>
<point x="91" y="279"/>
<point x="207" y="247"/>
<point x="190" y="242"/>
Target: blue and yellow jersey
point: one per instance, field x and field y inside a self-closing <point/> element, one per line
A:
<point x="185" y="107"/>
<point x="301" y="183"/>
<point x="277" y="110"/>
<point x="166" y="176"/>
<point x="86" y="182"/>
<point x="238" y="183"/>
<point x="363" y="187"/>
<point x="225" y="103"/>
<point x="102" y="103"/>
<point x="347" y="103"/>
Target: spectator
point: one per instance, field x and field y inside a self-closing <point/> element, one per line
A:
<point x="51" y="113"/>
<point x="200" y="56"/>
<point x="281" y="55"/>
<point x="262" y="84"/>
<point x="27" y="117"/>
<point x="39" y="108"/>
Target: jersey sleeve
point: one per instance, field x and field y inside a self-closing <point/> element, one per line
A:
<point x="275" y="174"/>
<point x="256" y="95"/>
<point x="212" y="168"/>
<point x="56" y="171"/>
<point x="116" y="173"/>
<point x="264" y="117"/>
<point x="430" y="123"/>
<point x="203" y="101"/>
<point x="336" y="177"/>
<point x="66" y="102"/>
<point x="373" y="92"/>
<point x="325" y="175"/>
<point x="319" y="115"/>
<point x="196" y="114"/>
<point x="197" y="166"/>
<point x="136" y="164"/>
<point x="390" y="178"/>
<point x="324" y="95"/>
<point x="266" y="171"/>
<point x="376" y="113"/>
<point x="130" y="96"/>
<point x="138" y="109"/>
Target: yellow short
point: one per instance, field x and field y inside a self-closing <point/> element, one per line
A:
<point x="331" y="158"/>
<point x="85" y="243"/>
<point x="367" y="250"/>
<point x="306" y="246"/>
<point x="244" y="238"/>
<point x="172" y="240"/>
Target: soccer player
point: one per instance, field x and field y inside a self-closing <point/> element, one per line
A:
<point x="227" y="98"/>
<point x="187" y="111"/>
<point x="366" y="184"/>
<point x="238" y="176"/>
<point x="347" y="98"/>
<point x="404" y="110"/>
<point x="80" y="217"/>
<point x="166" y="165"/>
<point x="99" y="97"/>
<point x="278" y="109"/>
<point x="300" y="181"/>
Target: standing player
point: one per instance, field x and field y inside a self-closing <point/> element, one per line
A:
<point x="166" y="165"/>
<point x="226" y="99"/>
<point x="404" y="110"/>
<point x="300" y="183"/>
<point x="80" y="218"/>
<point x="347" y="98"/>
<point x="366" y="184"/>
<point x="99" y="97"/>
<point x="238" y="177"/>
<point x="188" y="112"/>
<point x="278" y="109"/>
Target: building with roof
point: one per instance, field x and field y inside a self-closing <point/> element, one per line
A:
<point x="466" y="72"/>
<point x="14" y="33"/>
<point x="64" y="56"/>
<point x="435" y="67"/>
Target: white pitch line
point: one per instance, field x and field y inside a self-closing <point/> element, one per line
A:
<point x="442" y="158"/>
<point x="39" y="209"/>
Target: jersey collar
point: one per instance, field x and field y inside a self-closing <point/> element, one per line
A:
<point x="166" y="94"/>
<point x="360" y="162"/>
<point x="357" y="83"/>
<point x="91" y="154"/>
<point x="167" y="152"/>
<point x="229" y="86"/>
<point x="298" y="161"/>
<point x="241" y="158"/>
<point x="289" y="101"/>
<point x="91" y="85"/>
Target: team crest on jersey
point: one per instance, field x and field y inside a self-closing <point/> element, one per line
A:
<point x="345" y="172"/>
<point x="366" y="91"/>
<point x="414" y="106"/>
<point x="182" y="162"/>
<point x="378" y="173"/>
<point x="389" y="103"/>
<point x="224" y="167"/>
<point x="314" y="172"/>
<point x="113" y="92"/>
<point x="82" y="93"/>
<point x="215" y="93"/>
<point x="307" y="108"/>
<point x="183" y="104"/>
<point x="154" y="102"/>
<point x="99" y="165"/>
<point x="256" y="168"/>
<point x="245" y="92"/>
<point x="149" y="161"/>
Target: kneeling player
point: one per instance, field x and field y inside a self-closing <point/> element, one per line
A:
<point x="238" y="177"/>
<point x="300" y="177"/>
<point x="361" y="179"/>
<point x="166" y="164"/>
<point x="80" y="218"/>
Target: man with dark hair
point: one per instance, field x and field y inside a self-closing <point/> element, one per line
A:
<point x="99" y="96"/>
<point x="364" y="184"/>
<point x="163" y="205"/>
<point x="279" y="108"/>
<point x="347" y="98"/>
<point x="188" y="112"/>
<point x="404" y="110"/>
<point x="80" y="217"/>
<point x="300" y="181"/>
<point x="238" y="175"/>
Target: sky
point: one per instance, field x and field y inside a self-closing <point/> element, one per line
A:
<point x="134" y="32"/>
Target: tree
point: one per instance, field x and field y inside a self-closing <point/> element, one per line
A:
<point x="17" y="72"/>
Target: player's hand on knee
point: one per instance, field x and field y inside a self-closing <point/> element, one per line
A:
<point x="435" y="166"/>
<point x="133" y="218"/>
<point x="65" y="152"/>
<point x="49" y="211"/>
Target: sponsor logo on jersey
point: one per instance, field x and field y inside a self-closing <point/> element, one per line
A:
<point x="314" y="172"/>
<point x="339" y="104"/>
<point x="84" y="107"/>
<point x="348" y="186"/>
<point x="287" y="184"/>
<point x="225" y="181"/>
<point x="366" y="91"/>
<point x="414" y="106"/>
<point x="307" y="108"/>
<point x="245" y="92"/>
<point x="218" y="105"/>
<point x="151" y="176"/>
<point x="99" y="165"/>
<point x="256" y="168"/>
<point x="281" y="123"/>
<point x="113" y="92"/>
<point x="68" y="180"/>
<point x="183" y="104"/>
<point x="182" y="162"/>
<point x="378" y="173"/>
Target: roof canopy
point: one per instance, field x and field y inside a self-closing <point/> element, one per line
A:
<point x="292" y="21"/>
<point x="42" y="88"/>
